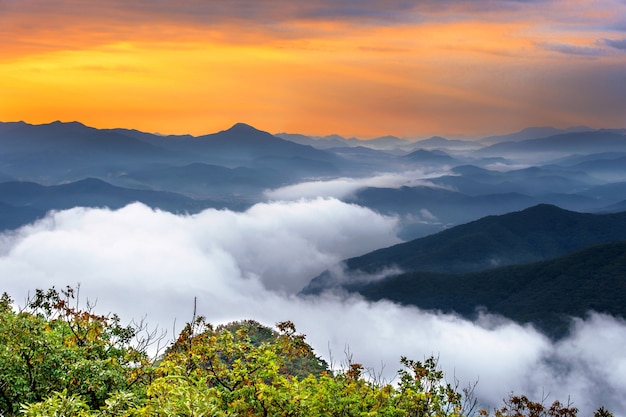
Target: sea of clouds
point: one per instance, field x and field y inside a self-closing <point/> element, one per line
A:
<point x="139" y="262"/>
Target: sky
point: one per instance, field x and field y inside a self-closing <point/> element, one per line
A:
<point x="150" y="265"/>
<point x="364" y="68"/>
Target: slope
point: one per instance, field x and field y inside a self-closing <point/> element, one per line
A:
<point x="24" y="202"/>
<point x="537" y="233"/>
<point x="545" y="294"/>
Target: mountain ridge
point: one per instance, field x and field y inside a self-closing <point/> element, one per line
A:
<point x="540" y="232"/>
<point x="593" y="278"/>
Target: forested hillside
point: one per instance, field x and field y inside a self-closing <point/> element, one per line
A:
<point x="537" y="233"/>
<point x="59" y="360"/>
<point x="547" y="294"/>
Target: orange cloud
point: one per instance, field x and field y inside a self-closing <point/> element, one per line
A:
<point x="321" y="70"/>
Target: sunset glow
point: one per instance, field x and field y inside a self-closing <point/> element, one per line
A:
<point x="352" y="68"/>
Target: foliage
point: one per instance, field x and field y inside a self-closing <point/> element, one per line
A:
<point x="423" y="394"/>
<point x="57" y="360"/>
<point x="50" y="346"/>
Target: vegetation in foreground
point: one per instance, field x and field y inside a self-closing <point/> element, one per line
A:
<point x="59" y="360"/>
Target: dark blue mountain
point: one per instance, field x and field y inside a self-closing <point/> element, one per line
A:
<point x="537" y="233"/>
<point x="546" y="294"/>
<point x="24" y="202"/>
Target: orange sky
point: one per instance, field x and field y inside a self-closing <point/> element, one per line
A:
<point x="448" y="67"/>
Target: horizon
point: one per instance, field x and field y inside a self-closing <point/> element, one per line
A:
<point x="356" y="69"/>
<point x="414" y="138"/>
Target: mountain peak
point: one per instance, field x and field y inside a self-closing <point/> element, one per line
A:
<point x="241" y="132"/>
<point x="67" y="124"/>
<point x="242" y="127"/>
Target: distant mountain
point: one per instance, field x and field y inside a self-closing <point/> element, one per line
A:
<point x="438" y="142"/>
<point x="537" y="233"/>
<point x="575" y="159"/>
<point x="607" y="193"/>
<point x="12" y="217"/>
<point x="235" y="166"/>
<point x="384" y="143"/>
<point x="316" y="142"/>
<point x="60" y="152"/>
<point x="424" y="210"/>
<point x="203" y="180"/>
<point x="614" y="208"/>
<point x="546" y="294"/>
<point x="609" y="169"/>
<point x="67" y="139"/>
<point x="33" y="200"/>
<point x="243" y="142"/>
<point x="363" y="161"/>
<point x="563" y="144"/>
<point x="430" y="158"/>
<point x="533" y="133"/>
<point x="533" y="181"/>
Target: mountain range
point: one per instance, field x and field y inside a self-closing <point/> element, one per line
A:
<point x="235" y="167"/>
<point x="501" y="262"/>
<point x="546" y="294"/>
<point x="466" y="209"/>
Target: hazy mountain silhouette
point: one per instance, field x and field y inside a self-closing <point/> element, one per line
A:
<point x="533" y="181"/>
<point x="431" y="158"/>
<point x="204" y="180"/>
<point x="614" y="208"/>
<point x="567" y="143"/>
<point x="533" y="133"/>
<point x="316" y="142"/>
<point x="384" y="143"/>
<point x="12" y="217"/>
<point x="236" y="165"/>
<point x="34" y="200"/>
<point x="70" y="139"/>
<point x="443" y="207"/>
<point x="438" y="142"/>
<point x="60" y="152"/>
<point x="243" y="141"/>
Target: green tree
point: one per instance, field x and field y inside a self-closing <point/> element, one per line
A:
<point x="58" y="360"/>
<point x="52" y="347"/>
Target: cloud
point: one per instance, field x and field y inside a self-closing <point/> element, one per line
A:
<point x="615" y="43"/>
<point x="346" y="187"/>
<point x="136" y="261"/>
<point x="215" y="11"/>
<point x="502" y="167"/>
<point x="572" y="49"/>
<point x="281" y="244"/>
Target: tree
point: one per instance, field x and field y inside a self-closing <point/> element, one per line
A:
<point x="50" y="346"/>
<point x="59" y="360"/>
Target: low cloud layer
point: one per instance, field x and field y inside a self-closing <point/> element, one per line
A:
<point x="139" y="262"/>
<point x="345" y="187"/>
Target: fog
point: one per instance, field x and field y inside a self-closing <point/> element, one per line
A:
<point x="140" y="262"/>
<point x="345" y="187"/>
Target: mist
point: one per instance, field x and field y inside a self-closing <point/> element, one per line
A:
<point x="139" y="262"/>
<point x="346" y="187"/>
